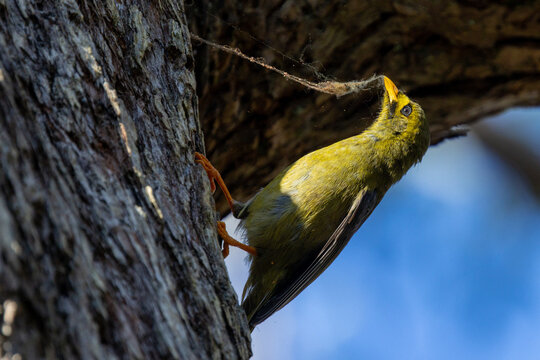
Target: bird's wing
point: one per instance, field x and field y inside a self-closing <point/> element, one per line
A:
<point x="289" y="287"/>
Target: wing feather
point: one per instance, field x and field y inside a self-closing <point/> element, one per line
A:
<point x="293" y="284"/>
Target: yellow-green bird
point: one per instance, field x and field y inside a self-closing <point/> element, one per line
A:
<point x="297" y="225"/>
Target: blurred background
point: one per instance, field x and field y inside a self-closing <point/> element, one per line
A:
<point x="447" y="266"/>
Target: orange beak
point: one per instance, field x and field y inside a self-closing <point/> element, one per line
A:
<point x="391" y="89"/>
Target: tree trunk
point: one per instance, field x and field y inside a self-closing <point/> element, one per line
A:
<point x="461" y="60"/>
<point x="108" y="246"/>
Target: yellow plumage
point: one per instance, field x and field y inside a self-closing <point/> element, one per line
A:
<point x="297" y="225"/>
<point x="292" y="218"/>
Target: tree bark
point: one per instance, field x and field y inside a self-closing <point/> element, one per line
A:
<point x="461" y="60"/>
<point x="108" y="248"/>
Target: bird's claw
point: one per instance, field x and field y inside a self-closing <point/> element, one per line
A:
<point x="221" y="229"/>
<point x="211" y="171"/>
<point x="229" y="241"/>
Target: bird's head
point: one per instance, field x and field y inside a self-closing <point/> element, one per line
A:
<point x="399" y="114"/>
<point x="400" y="134"/>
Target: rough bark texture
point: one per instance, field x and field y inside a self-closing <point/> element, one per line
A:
<point x="462" y="60"/>
<point x="107" y="238"/>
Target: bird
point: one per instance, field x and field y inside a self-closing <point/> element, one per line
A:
<point x="299" y="223"/>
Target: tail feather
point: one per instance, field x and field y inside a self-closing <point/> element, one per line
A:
<point x="251" y="305"/>
<point x="257" y="309"/>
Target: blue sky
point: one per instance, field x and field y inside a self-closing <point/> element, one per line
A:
<point x="447" y="267"/>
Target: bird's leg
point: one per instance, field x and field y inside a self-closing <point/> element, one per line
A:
<point x="213" y="174"/>
<point x="229" y="241"/>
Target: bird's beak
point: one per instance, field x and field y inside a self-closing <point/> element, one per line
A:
<point x="391" y="89"/>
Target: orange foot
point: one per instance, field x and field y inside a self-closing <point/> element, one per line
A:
<point x="213" y="174"/>
<point x="229" y="241"/>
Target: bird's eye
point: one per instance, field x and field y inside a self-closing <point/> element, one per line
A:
<point x="406" y="110"/>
